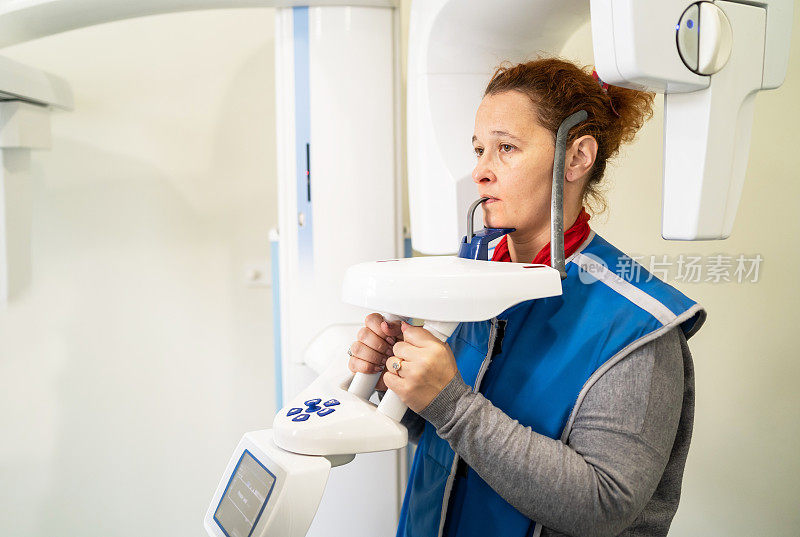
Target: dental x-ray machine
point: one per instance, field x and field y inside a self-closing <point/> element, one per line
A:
<point x="709" y="59"/>
<point x="338" y="88"/>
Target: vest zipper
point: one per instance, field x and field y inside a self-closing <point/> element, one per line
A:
<point x="448" y="488"/>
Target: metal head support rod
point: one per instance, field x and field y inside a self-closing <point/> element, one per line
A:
<point x="471" y="216"/>
<point x="557" y="260"/>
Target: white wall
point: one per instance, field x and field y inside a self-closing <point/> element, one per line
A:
<point x="136" y="359"/>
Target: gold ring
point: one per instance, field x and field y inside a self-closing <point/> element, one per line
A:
<point x="397" y="364"/>
<point x="350" y="352"/>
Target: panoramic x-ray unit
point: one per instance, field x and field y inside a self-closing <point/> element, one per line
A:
<point x="340" y="164"/>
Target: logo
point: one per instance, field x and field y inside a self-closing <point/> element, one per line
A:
<point x="591" y="268"/>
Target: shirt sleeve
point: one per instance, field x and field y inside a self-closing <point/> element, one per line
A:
<point x="620" y="443"/>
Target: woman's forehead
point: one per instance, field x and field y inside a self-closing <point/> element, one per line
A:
<point x="509" y="112"/>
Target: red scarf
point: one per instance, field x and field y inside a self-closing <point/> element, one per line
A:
<point x="573" y="238"/>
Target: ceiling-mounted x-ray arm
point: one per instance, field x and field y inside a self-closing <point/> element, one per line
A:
<point x="709" y="59"/>
<point x="30" y="19"/>
<point x="25" y="20"/>
<point x="27" y="95"/>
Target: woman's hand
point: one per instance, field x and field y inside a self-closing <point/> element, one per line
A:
<point x="427" y="366"/>
<point x="374" y="346"/>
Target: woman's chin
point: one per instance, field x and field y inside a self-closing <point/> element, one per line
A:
<point x="495" y="222"/>
<point x="494" y="216"/>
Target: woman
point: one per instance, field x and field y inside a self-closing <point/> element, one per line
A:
<point x="569" y="415"/>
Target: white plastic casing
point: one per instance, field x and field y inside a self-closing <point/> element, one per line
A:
<point x="634" y="43"/>
<point x="295" y="496"/>
<point x="352" y="122"/>
<point x="348" y="106"/>
<point x="635" y="46"/>
<point x="354" y="426"/>
<point x="454" y="46"/>
<point x="707" y="136"/>
<point x="442" y="291"/>
<point x="23" y="127"/>
<point x="446" y="288"/>
<point x="32" y="19"/>
<point x="707" y="119"/>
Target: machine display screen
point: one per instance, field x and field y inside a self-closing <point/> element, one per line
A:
<point x="244" y="498"/>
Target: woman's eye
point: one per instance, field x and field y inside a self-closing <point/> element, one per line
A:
<point x="478" y="151"/>
<point x="506" y="148"/>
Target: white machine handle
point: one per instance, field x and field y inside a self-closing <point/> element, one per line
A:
<point x="391" y="404"/>
<point x="363" y="384"/>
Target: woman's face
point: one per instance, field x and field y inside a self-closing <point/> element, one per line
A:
<point x="514" y="162"/>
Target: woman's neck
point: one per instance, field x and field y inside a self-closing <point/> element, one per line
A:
<point x="523" y="245"/>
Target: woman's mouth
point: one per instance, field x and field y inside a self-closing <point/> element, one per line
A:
<point x="490" y="200"/>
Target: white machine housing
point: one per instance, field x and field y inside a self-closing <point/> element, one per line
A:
<point x="455" y="45"/>
<point x="353" y="425"/>
<point x="446" y="288"/>
<point x="337" y="73"/>
<point x="333" y="415"/>
<point x="266" y="491"/>
<point x="441" y="291"/>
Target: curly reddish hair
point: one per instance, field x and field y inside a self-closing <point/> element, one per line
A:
<point x="559" y="88"/>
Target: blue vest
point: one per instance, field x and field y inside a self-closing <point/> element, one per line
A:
<point x="551" y="353"/>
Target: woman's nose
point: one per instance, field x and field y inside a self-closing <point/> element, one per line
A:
<point x="483" y="172"/>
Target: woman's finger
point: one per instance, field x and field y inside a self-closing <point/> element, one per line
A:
<point x="395" y="365"/>
<point x="406" y="351"/>
<point x="374" y="341"/>
<point x="366" y="353"/>
<point x="392" y="330"/>
<point x="417" y="335"/>
<point x="400" y="384"/>
<point x="381" y="386"/>
<point x="358" y="365"/>
<point x="392" y="382"/>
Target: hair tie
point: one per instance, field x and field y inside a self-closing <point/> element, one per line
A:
<point x="604" y="86"/>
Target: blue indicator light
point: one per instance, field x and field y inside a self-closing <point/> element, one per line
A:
<point x="677" y="27"/>
<point x="690" y="24"/>
<point x="301" y="417"/>
<point x="294" y="411"/>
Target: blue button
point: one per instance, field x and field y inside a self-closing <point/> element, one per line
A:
<point x="325" y="411"/>
<point x="313" y="402"/>
<point x="313" y="408"/>
<point x="294" y="411"/>
<point x="301" y="417"/>
<point x="332" y="402"/>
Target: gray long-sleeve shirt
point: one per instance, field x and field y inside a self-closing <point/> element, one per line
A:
<point x="619" y="472"/>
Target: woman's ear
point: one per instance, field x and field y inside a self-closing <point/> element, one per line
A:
<point x="580" y="157"/>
